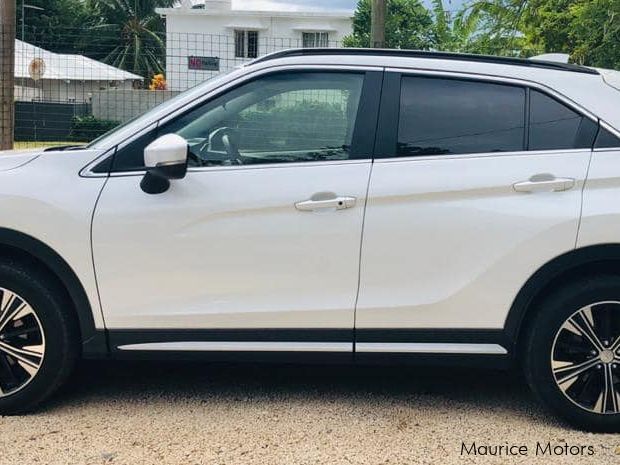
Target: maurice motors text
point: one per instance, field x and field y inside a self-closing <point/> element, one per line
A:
<point x="539" y="449"/>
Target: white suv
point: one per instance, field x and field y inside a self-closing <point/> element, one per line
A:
<point x="334" y="205"/>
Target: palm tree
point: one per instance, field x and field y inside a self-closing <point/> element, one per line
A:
<point x="458" y="34"/>
<point x="131" y="35"/>
<point x="500" y="26"/>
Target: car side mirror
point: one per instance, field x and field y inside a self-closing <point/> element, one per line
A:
<point x="165" y="158"/>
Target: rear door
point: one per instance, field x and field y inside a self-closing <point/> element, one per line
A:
<point x="476" y="184"/>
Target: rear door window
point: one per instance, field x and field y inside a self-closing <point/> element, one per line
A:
<point x="553" y="126"/>
<point x="450" y="116"/>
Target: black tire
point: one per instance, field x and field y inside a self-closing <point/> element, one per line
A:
<point x="52" y="307"/>
<point x="540" y="346"/>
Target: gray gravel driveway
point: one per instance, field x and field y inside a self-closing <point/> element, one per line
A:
<point x="193" y="413"/>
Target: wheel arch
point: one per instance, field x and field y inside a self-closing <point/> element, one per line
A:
<point x="22" y="246"/>
<point x="596" y="259"/>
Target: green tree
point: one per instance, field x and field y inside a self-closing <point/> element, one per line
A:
<point x="589" y="30"/>
<point x="458" y="33"/>
<point x="55" y="26"/>
<point x="596" y="32"/>
<point x="408" y="25"/>
<point x="499" y="27"/>
<point x="130" y="35"/>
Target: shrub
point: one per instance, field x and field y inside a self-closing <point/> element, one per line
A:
<point x="87" y="128"/>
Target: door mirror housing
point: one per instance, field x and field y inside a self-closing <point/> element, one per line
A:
<point x="165" y="158"/>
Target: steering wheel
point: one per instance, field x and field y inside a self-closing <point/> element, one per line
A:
<point x="229" y="140"/>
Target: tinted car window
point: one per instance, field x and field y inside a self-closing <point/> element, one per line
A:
<point x="286" y="117"/>
<point x="131" y="157"/>
<point x="606" y="140"/>
<point x="553" y="125"/>
<point x="448" y="116"/>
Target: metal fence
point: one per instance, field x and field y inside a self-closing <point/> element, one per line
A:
<point x="74" y="85"/>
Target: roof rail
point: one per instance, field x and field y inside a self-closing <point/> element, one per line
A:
<point x="532" y="63"/>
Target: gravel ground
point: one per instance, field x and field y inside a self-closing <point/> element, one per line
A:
<point x="190" y="413"/>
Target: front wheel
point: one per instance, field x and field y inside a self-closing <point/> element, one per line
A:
<point x="572" y="354"/>
<point x="39" y="338"/>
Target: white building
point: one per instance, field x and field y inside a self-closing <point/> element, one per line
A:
<point x="205" y="39"/>
<point x="65" y="78"/>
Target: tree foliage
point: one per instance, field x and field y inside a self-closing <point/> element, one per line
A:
<point x="57" y="26"/>
<point x="408" y="24"/>
<point x="589" y="30"/>
<point x="130" y="34"/>
<point x="458" y="33"/>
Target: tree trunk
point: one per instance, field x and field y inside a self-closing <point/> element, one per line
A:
<point x="377" y="24"/>
<point x="7" y="73"/>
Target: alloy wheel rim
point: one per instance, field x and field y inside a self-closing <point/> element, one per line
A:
<point x="585" y="358"/>
<point x="22" y="343"/>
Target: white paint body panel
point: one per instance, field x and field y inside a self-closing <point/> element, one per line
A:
<point x="448" y="243"/>
<point x="226" y="248"/>
<point x="11" y="159"/>
<point x="445" y="242"/>
<point x="48" y="200"/>
<point x="600" y="223"/>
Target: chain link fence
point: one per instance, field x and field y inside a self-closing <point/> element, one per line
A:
<point x="72" y="86"/>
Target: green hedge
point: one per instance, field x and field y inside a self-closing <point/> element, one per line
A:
<point x="87" y="128"/>
<point x="301" y="125"/>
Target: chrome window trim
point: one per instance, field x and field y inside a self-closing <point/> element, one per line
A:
<point x="214" y="93"/>
<point x="200" y="169"/>
<point x="520" y="153"/>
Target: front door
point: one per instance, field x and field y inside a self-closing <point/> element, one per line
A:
<point x="263" y="234"/>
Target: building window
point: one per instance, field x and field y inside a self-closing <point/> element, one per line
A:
<point x="315" y="39"/>
<point x="246" y="44"/>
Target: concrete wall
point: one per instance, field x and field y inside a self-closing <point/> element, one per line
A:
<point x="122" y="105"/>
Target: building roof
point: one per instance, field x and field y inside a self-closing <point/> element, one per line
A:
<point x="66" y="67"/>
<point x="226" y="8"/>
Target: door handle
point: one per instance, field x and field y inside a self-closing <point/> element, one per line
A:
<point x="337" y="203"/>
<point x="544" y="183"/>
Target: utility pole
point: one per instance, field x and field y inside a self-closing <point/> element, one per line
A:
<point x="7" y="73"/>
<point x="377" y="24"/>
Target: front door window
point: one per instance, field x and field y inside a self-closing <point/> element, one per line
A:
<point x="286" y="117"/>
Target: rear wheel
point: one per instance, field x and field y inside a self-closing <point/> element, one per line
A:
<point x="572" y="356"/>
<point x="39" y="338"/>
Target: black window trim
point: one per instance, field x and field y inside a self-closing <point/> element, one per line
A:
<point x="364" y="133"/>
<point x="389" y="113"/>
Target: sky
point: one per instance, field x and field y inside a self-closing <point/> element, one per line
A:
<point x="292" y="5"/>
